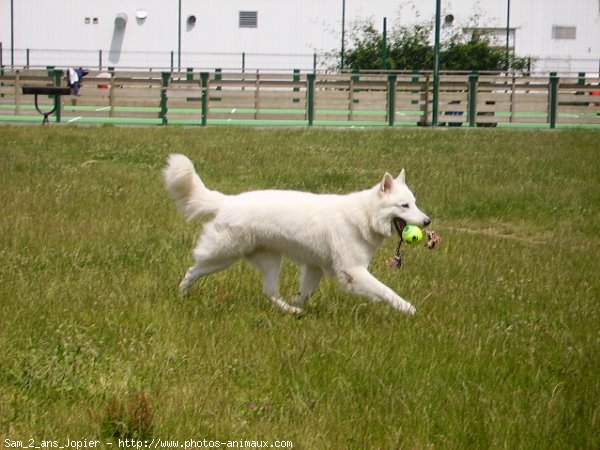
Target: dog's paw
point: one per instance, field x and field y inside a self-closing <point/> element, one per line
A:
<point x="184" y="289"/>
<point x="298" y="302"/>
<point x="286" y="307"/>
<point x="405" y="307"/>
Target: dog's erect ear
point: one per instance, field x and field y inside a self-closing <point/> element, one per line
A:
<point x="401" y="177"/>
<point x="387" y="183"/>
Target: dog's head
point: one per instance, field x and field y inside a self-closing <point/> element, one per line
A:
<point x="397" y="206"/>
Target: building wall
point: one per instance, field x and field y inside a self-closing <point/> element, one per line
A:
<point x="289" y="32"/>
<point x="536" y="19"/>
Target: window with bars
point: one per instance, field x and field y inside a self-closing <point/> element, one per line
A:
<point x="248" y="19"/>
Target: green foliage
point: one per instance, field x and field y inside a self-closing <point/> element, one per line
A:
<point x="366" y="51"/>
<point x="97" y="343"/>
<point x="473" y="55"/>
<point x="410" y="48"/>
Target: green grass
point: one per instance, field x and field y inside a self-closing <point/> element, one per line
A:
<point x="503" y="353"/>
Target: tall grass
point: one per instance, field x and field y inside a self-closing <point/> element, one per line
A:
<point x="503" y="353"/>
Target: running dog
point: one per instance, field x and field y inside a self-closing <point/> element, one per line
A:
<point x="326" y="234"/>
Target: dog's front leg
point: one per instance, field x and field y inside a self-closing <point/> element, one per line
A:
<point x="359" y="281"/>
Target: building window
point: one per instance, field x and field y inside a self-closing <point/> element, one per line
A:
<point x="248" y="19"/>
<point x="563" y="32"/>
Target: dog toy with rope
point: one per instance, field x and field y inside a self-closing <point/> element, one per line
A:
<point x="410" y="235"/>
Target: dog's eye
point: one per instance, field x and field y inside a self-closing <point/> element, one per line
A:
<point x="405" y="205"/>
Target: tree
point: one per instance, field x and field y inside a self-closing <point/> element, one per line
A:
<point x="409" y="48"/>
<point x="366" y="49"/>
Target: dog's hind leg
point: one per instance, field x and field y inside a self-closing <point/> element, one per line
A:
<point x="310" y="277"/>
<point x="269" y="264"/>
<point x="214" y="251"/>
<point x="202" y="268"/>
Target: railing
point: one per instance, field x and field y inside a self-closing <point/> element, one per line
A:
<point x="304" y="99"/>
<point x="322" y="61"/>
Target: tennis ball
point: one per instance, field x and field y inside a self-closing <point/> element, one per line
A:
<point x="412" y="234"/>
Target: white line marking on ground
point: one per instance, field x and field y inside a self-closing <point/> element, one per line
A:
<point x="102" y="109"/>
<point x="74" y="119"/>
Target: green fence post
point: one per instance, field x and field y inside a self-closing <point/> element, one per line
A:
<point x="163" y="97"/>
<point x="391" y="112"/>
<point x="472" y="113"/>
<point x="204" y="84"/>
<point x="296" y="79"/>
<point x="310" y="104"/>
<point x="218" y="77"/>
<point x="553" y="99"/>
<point x="355" y="79"/>
<point x="189" y="74"/>
<point x="415" y="79"/>
<point x="57" y="74"/>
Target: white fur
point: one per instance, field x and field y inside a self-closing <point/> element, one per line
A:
<point x="332" y="235"/>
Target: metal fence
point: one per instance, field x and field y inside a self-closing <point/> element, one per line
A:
<point x="320" y="62"/>
<point x="165" y="60"/>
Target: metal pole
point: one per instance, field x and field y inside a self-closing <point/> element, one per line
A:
<point x="472" y="113"/>
<point x="343" y="33"/>
<point x="310" y="101"/>
<point x="384" y="50"/>
<point x="179" y="39"/>
<point x="391" y="99"/>
<point x="12" y="34"/>
<point x="436" y="66"/>
<point x="553" y="100"/>
<point x="507" y="34"/>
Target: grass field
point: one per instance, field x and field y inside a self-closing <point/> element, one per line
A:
<point x="96" y="343"/>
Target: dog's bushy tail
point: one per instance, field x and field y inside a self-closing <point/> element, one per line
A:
<point x="187" y="189"/>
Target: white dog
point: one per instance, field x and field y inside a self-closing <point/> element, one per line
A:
<point x="333" y="235"/>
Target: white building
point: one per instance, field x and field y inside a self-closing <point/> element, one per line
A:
<point x="563" y="35"/>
